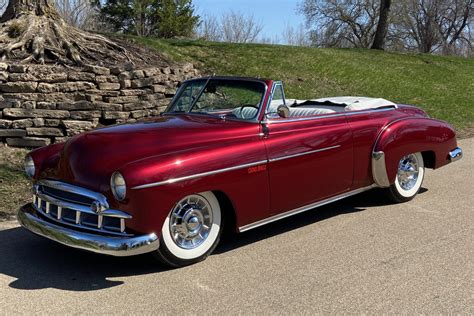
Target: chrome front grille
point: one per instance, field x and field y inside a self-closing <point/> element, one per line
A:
<point x="75" y="206"/>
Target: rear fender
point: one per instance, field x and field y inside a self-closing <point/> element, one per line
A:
<point x="406" y="136"/>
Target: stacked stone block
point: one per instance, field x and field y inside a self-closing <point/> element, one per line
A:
<point x="43" y="104"/>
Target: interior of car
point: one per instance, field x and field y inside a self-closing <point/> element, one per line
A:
<point x="302" y="108"/>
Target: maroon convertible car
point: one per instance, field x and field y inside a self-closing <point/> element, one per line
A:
<point x="229" y="153"/>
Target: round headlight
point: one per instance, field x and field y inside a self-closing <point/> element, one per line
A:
<point x="29" y="166"/>
<point x="118" y="186"/>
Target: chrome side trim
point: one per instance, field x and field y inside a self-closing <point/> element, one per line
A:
<point x="317" y="117"/>
<point x="379" y="169"/>
<point x="304" y="154"/>
<point x="303" y="209"/>
<point x="455" y="154"/>
<point x="199" y="175"/>
<point x="114" y="246"/>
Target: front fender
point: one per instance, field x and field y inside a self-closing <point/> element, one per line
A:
<point x="46" y="159"/>
<point x="410" y="135"/>
<point x="237" y="169"/>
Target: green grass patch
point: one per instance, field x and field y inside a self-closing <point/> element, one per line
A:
<point x="443" y="86"/>
<point x="9" y="173"/>
<point x="14" y="184"/>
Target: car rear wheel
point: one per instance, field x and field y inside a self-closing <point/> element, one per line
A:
<point x="410" y="174"/>
<point x="191" y="231"/>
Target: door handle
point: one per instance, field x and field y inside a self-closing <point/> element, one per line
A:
<point x="265" y="131"/>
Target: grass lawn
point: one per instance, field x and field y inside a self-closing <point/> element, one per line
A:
<point x="443" y="86"/>
<point x="14" y="185"/>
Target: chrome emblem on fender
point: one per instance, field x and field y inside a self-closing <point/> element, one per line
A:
<point x="96" y="207"/>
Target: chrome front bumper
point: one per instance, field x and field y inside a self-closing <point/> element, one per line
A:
<point x="455" y="154"/>
<point x="107" y="245"/>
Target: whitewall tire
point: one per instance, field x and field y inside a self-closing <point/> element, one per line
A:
<point x="410" y="174"/>
<point x="191" y="230"/>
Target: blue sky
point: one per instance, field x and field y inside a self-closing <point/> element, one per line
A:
<point x="273" y="14"/>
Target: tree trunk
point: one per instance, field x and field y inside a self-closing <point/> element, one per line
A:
<point x="382" y="26"/>
<point x="32" y="30"/>
<point x="16" y="8"/>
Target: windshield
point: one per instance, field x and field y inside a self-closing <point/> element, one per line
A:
<point x="229" y="98"/>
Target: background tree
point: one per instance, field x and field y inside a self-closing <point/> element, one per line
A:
<point x="175" y="18"/>
<point x="234" y="27"/>
<point x="457" y="18"/>
<point x="348" y="23"/>
<point x="237" y="27"/>
<point x="296" y="36"/>
<point x="162" y="18"/>
<point x="429" y="26"/>
<point x="382" y="25"/>
<point x="209" y="29"/>
<point x="117" y="14"/>
<point x="270" y="40"/>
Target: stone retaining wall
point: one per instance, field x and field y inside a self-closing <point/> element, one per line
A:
<point x="42" y="104"/>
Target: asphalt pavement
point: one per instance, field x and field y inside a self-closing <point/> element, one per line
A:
<point x="359" y="255"/>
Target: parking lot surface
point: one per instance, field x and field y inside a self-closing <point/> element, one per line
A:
<point x="357" y="255"/>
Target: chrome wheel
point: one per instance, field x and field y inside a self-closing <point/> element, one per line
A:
<point x="408" y="172"/>
<point x="191" y="231"/>
<point x="190" y="222"/>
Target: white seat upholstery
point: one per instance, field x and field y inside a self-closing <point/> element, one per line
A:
<point x="309" y="111"/>
<point x="357" y="103"/>
<point x="245" y="113"/>
<point x="300" y="108"/>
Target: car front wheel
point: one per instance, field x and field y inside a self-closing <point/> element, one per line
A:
<point x="191" y="231"/>
<point x="410" y="174"/>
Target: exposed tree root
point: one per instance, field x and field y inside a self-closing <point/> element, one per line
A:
<point x="33" y="37"/>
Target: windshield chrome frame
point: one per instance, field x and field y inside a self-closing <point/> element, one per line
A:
<point x="270" y="97"/>
<point x="208" y="79"/>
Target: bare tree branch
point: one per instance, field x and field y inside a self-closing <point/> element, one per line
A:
<point x="209" y="29"/>
<point x="237" y="27"/>
<point x="352" y="22"/>
<point x="296" y="36"/>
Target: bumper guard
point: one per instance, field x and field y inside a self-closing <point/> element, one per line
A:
<point x="113" y="246"/>
<point x="455" y="154"/>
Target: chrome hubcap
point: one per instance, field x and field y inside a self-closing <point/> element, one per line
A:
<point x="408" y="170"/>
<point x="191" y="221"/>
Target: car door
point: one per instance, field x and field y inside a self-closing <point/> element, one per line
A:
<point x="310" y="159"/>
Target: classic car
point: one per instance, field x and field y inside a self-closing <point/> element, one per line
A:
<point x="228" y="153"/>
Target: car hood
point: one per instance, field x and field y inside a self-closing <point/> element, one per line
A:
<point x="90" y="159"/>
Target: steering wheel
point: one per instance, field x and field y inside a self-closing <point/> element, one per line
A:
<point x="241" y="108"/>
